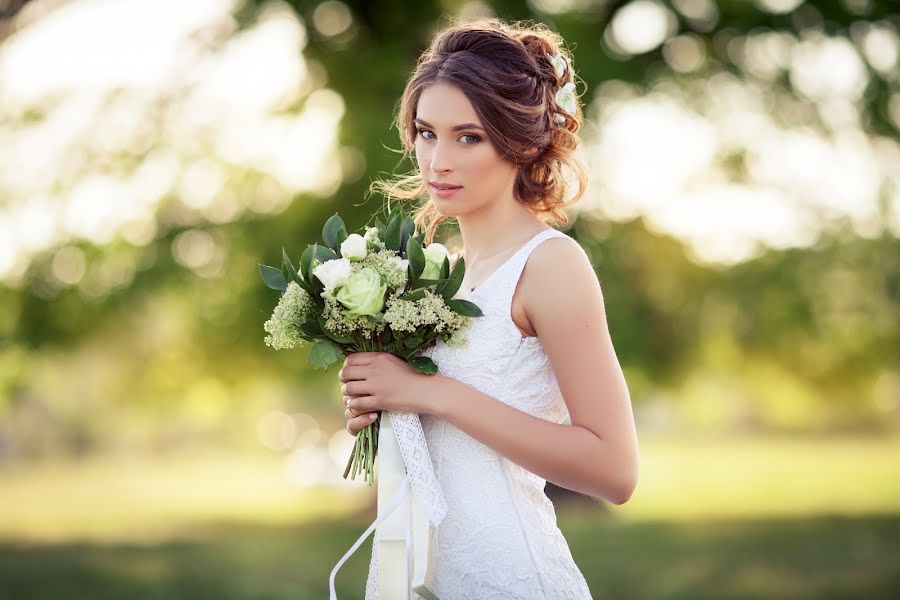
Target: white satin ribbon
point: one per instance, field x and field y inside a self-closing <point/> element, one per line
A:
<point x="389" y="508"/>
<point x="404" y="548"/>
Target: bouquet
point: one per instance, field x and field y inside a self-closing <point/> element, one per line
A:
<point x="377" y="292"/>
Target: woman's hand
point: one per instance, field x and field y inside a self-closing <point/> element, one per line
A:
<point x="376" y="381"/>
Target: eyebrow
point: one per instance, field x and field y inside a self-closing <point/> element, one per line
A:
<point x="454" y="128"/>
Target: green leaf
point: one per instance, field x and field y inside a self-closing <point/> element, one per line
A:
<point x="315" y="252"/>
<point x="455" y="280"/>
<point x="416" y="257"/>
<point x="413" y="342"/>
<point x="407" y="229"/>
<point x="286" y="264"/>
<point x="465" y="308"/>
<point x="273" y="277"/>
<point x="324" y="354"/>
<point x="414" y="295"/>
<point x="381" y="227"/>
<point x="423" y="364"/>
<point x="311" y="328"/>
<point x="334" y="233"/>
<point x="392" y="235"/>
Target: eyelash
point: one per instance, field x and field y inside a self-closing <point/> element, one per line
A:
<point x="471" y="135"/>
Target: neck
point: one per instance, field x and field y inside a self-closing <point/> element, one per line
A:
<point x="496" y="229"/>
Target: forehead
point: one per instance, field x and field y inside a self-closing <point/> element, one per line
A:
<point x="444" y="105"/>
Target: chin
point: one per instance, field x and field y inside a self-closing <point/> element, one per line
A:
<point x="447" y="207"/>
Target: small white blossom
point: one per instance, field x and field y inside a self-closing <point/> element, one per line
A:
<point x="565" y="98"/>
<point x="333" y="273"/>
<point x="402" y="264"/>
<point x="354" y="247"/>
<point x="371" y="235"/>
<point x="559" y="63"/>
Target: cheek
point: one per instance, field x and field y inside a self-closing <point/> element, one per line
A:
<point x="490" y="170"/>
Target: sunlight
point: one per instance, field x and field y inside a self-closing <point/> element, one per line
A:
<point x="733" y="166"/>
<point x="165" y="105"/>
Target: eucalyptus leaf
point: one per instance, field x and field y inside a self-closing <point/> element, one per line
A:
<point x="273" y="277"/>
<point x="334" y="233"/>
<point x="324" y="354"/>
<point x="423" y="364"/>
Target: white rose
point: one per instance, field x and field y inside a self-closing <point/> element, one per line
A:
<point x="333" y="273"/>
<point x="565" y="98"/>
<point x="434" y="260"/>
<point x="354" y="247"/>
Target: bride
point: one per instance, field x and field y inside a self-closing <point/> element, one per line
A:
<point x="537" y="394"/>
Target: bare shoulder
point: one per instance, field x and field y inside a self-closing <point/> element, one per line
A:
<point x="557" y="267"/>
<point x="560" y="292"/>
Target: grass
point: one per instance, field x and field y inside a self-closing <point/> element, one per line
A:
<point x="743" y="518"/>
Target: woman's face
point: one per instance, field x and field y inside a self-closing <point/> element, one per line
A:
<point x="453" y="148"/>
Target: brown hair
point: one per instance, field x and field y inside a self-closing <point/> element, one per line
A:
<point x="504" y="71"/>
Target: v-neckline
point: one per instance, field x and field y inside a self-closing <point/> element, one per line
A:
<point x="505" y="262"/>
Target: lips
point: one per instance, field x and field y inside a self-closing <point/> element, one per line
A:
<point x="444" y="186"/>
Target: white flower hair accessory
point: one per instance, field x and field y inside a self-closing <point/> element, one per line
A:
<point x="559" y="63"/>
<point x="566" y="100"/>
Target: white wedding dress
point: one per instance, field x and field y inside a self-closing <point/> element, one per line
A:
<point x="498" y="539"/>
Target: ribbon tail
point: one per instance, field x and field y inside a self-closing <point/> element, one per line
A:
<point x="393" y="504"/>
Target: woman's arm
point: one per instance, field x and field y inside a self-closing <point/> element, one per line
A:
<point x="569" y="456"/>
<point x="598" y="453"/>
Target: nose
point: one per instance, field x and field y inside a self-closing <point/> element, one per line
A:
<point x="440" y="159"/>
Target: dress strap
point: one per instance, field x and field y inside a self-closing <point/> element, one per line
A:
<point x="509" y="278"/>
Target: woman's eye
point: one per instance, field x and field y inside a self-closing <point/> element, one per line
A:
<point x="474" y="138"/>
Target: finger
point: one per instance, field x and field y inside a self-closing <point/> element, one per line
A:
<point x="361" y="401"/>
<point x="352" y="373"/>
<point x="357" y="423"/>
<point x="351" y="414"/>
<point x="354" y="388"/>
<point x="360" y="358"/>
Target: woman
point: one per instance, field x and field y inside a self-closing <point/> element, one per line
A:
<point x="487" y="116"/>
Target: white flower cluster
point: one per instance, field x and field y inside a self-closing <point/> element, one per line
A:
<point x="337" y="321"/>
<point x="295" y="306"/>
<point x="430" y="310"/>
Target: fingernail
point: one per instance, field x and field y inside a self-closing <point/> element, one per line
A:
<point x="372" y="416"/>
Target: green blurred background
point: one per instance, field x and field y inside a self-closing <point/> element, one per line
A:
<point x="743" y="218"/>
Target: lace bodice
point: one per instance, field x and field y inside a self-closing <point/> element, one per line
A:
<point x="499" y="538"/>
